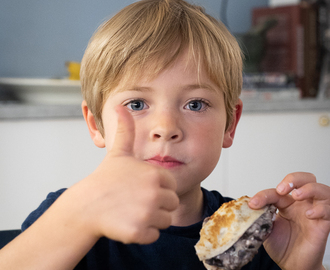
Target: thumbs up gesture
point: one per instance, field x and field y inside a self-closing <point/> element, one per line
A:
<point x="127" y="199"/>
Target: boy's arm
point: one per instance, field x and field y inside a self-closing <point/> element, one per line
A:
<point x="125" y="199"/>
<point x="302" y="226"/>
<point x="51" y="242"/>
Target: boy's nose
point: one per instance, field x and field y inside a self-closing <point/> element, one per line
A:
<point x="166" y="128"/>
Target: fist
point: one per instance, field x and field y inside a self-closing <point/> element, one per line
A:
<point x="127" y="199"/>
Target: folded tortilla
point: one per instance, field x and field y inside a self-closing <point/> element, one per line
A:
<point x="225" y="227"/>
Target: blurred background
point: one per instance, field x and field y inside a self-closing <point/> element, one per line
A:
<point x="44" y="142"/>
<point x="38" y="37"/>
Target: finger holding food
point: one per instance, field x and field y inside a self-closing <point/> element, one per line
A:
<point x="302" y="225"/>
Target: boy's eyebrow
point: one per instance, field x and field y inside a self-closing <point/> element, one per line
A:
<point x="199" y="86"/>
<point x="138" y="89"/>
<point x="188" y="87"/>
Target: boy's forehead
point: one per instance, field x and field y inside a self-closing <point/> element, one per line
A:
<point x="148" y="84"/>
<point x="138" y="78"/>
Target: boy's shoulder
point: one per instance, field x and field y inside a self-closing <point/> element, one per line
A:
<point x="50" y="199"/>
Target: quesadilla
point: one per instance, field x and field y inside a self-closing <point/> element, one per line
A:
<point x="231" y="237"/>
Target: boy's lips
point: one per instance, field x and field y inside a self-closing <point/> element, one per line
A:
<point x="165" y="161"/>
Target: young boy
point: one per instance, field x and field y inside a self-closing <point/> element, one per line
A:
<point x="161" y="82"/>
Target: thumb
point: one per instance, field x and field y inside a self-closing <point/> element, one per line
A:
<point x="125" y="134"/>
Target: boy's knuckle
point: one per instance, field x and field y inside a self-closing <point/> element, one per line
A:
<point x="312" y="177"/>
<point x="290" y="177"/>
<point x="153" y="196"/>
<point x="144" y="216"/>
<point x="133" y="235"/>
<point x="149" y="235"/>
<point x="153" y="176"/>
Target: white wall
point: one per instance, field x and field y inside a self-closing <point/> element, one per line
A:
<point x="38" y="157"/>
<point x="269" y="146"/>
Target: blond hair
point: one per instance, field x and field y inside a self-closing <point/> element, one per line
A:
<point x="144" y="38"/>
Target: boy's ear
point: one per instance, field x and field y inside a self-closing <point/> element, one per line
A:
<point x="230" y="132"/>
<point x="91" y="124"/>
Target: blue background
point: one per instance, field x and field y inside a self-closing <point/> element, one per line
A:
<point x="37" y="37"/>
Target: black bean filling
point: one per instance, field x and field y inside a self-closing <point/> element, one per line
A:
<point x="247" y="246"/>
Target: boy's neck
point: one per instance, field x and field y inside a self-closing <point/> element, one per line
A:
<point x="190" y="210"/>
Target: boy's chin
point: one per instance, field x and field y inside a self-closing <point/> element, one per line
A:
<point x="184" y="189"/>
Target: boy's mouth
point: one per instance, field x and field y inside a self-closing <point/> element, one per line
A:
<point x="166" y="162"/>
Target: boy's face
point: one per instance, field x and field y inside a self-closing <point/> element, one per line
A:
<point x="180" y="122"/>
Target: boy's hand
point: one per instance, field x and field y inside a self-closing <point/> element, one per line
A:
<point x="126" y="199"/>
<point x="302" y="226"/>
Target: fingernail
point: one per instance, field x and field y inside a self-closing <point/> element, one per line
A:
<point x="280" y="188"/>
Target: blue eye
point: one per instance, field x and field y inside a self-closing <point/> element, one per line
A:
<point x="136" y="105"/>
<point x="195" y="105"/>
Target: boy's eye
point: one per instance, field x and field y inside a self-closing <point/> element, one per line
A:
<point x="196" y="105"/>
<point x="136" y="105"/>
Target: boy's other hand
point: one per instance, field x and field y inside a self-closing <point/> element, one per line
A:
<point x="126" y="199"/>
<point x="302" y="226"/>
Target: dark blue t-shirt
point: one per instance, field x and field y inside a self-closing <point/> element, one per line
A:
<point x="173" y="250"/>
